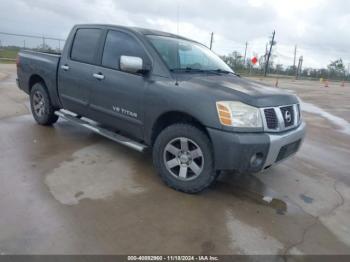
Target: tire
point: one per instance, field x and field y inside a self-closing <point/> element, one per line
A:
<point x="171" y="158"/>
<point x="41" y="106"/>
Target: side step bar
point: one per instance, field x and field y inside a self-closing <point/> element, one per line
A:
<point x="91" y="125"/>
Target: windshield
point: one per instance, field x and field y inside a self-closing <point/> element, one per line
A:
<point x="181" y="54"/>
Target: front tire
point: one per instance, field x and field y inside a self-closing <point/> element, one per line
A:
<point x="42" y="109"/>
<point x="182" y="155"/>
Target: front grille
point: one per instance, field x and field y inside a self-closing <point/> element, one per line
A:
<point x="281" y="118"/>
<point x="288" y="115"/>
<point x="288" y="150"/>
<point x="271" y="118"/>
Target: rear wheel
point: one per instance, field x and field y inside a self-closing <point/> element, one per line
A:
<point x="42" y="109"/>
<point x="182" y="155"/>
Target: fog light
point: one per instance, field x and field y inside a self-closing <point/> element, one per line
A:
<point x="256" y="160"/>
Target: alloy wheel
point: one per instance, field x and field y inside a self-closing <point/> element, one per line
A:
<point x="183" y="158"/>
<point x="39" y="104"/>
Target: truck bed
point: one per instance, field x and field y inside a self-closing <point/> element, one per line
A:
<point x="39" y="63"/>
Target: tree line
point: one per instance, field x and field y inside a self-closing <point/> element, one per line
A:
<point x="335" y="70"/>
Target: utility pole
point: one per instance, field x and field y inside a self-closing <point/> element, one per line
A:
<point x="177" y="17"/>
<point x="269" y="54"/>
<point x="245" y="53"/>
<point x="300" y="65"/>
<point x="211" y="40"/>
<point x="295" y="56"/>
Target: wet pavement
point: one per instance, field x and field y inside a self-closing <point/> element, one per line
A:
<point x="66" y="190"/>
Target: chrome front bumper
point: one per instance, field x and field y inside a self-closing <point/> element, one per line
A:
<point x="277" y="141"/>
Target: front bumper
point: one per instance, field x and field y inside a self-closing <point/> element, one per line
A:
<point x="253" y="152"/>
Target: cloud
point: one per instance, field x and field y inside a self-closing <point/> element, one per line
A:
<point x="318" y="27"/>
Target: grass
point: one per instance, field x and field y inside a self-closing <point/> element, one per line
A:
<point x="8" y="53"/>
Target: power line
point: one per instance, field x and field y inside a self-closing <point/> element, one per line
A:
<point x="33" y="36"/>
<point x="286" y="56"/>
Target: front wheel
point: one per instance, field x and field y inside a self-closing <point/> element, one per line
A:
<point x="42" y="109"/>
<point x="182" y="155"/>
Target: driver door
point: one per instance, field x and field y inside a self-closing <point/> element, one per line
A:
<point x="117" y="97"/>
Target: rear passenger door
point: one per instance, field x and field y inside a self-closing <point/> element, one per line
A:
<point x="118" y="97"/>
<point x="75" y="74"/>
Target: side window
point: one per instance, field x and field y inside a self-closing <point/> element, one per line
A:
<point x="85" y="45"/>
<point x="118" y="44"/>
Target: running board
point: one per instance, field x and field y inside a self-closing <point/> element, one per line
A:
<point x="91" y="125"/>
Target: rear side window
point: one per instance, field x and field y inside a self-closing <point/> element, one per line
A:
<point x="85" y="45"/>
<point x="118" y="44"/>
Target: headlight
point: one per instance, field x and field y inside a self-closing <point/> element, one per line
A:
<point x="238" y="114"/>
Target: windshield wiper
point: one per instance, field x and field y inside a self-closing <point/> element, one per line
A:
<point x="187" y="69"/>
<point x="214" y="71"/>
<point x="220" y="71"/>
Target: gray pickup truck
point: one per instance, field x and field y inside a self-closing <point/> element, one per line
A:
<point x="148" y="89"/>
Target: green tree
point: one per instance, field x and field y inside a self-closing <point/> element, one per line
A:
<point x="279" y="69"/>
<point x="336" y="68"/>
<point x="234" y="60"/>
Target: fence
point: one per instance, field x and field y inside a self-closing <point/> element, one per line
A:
<point x="11" y="43"/>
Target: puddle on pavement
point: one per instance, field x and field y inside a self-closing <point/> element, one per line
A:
<point x="248" y="186"/>
<point x="306" y="199"/>
<point x="252" y="240"/>
<point x="338" y="121"/>
<point x="94" y="172"/>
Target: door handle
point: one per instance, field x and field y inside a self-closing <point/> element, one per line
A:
<point x="99" y="76"/>
<point x="65" y="67"/>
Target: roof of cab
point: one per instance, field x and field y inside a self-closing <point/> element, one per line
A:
<point x="144" y="31"/>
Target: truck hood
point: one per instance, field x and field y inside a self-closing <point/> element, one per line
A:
<point x="230" y="87"/>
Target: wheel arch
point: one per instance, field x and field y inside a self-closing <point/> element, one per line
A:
<point x="172" y="117"/>
<point x="34" y="79"/>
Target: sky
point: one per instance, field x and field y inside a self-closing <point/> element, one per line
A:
<point x="319" y="28"/>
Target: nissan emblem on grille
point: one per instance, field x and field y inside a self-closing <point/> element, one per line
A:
<point x="288" y="116"/>
<point x="281" y="118"/>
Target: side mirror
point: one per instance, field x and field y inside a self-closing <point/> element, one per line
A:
<point x="133" y="64"/>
